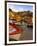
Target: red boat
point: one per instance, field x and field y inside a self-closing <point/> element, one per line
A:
<point x="13" y="29"/>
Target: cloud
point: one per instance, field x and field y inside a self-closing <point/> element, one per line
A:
<point x="12" y="7"/>
<point x="21" y="9"/>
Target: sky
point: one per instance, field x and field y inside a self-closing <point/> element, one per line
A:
<point x="20" y="7"/>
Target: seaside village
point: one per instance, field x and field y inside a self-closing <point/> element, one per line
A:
<point x="20" y="24"/>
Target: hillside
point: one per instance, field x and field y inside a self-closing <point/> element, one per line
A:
<point x="23" y="16"/>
